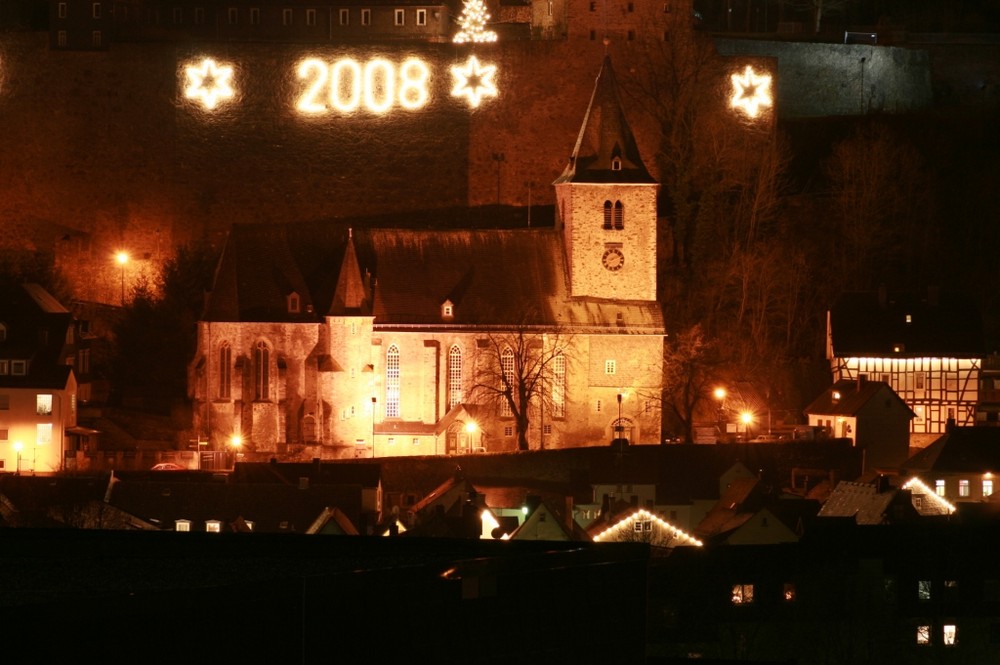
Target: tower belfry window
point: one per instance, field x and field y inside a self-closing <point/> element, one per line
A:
<point x="616" y="164"/>
<point x="607" y="215"/>
<point x="619" y="216"/>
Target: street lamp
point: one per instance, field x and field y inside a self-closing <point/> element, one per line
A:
<point x="236" y="442"/>
<point x="619" y="428"/>
<point x="18" y="446"/>
<point x="747" y="419"/>
<point x="122" y="259"/>
<point x="470" y="430"/>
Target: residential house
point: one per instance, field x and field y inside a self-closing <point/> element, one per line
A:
<point x="878" y="503"/>
<point x="37" y="385"/>
<point x="961" y="465"/>
<point x="927" y="346"/>
<point x="639" y="525"/>
<point x="746" y="515"/>
<point x="323" y="341"/>
<point x="871" y="415"/>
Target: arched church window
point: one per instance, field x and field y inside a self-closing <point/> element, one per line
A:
<point x="262" y="372"/>
<point x="225" y="370"/>
<point x="454" y="376"/>
<point x="392" y="382"/>
<point x="607" y="215"/>
<point x="507" y="381"/>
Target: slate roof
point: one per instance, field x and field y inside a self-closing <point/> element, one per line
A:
<point x="853" y="397"/>
<point x="25" y="310"/>
<point x="494" y="277"/>
<point x="862" y="501"/>
<point x="605" y="135"/>
<point x="960" y="450"/>
<point x="874" y="324"/>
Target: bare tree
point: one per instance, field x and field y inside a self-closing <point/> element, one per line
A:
<point x="689" y="375"/>
<point x="521" y="371"/>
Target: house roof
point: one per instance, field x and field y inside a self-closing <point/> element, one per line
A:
<point x="906" y="325"/>
<point x="492" y="277"/>
<point x="847" y="398"/>
<point x="862" y="501"/>
<point x="959" y="450"/>
<point x="27" y="311"/>
<point x="605" y="136"/>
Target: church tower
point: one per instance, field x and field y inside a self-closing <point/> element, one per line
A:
<point x="606" y="204"/>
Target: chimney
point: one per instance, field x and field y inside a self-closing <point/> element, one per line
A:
<point x="569" y="514"/>
<point x="882" y="483"/>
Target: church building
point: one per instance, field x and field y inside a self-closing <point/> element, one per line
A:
<point x="320" y="340"/>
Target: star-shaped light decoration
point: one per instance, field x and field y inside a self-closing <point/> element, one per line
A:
<point x="209" y="83"/>
<point x="751" y="91"/>
<point x="473" y="80"/>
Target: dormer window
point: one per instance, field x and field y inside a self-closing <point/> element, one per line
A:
<point x="909" y="318"/>
<point x="616" y="164"/>
<point x="447" y="310"/>
<point x="294" y="303"/>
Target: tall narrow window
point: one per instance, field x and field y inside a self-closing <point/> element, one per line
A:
<point x="619" y="216"/>
<point x="96" y="10"/>
<point x="454" y="377"/>
<point x="345" y="17"/>
<point x="559" y="386"/>
<point x="421" y="17"/>
<point x="234" y="15"/>
<point x="392" y="382"/>
<point x="310" y="17"/>
<point x="62" y="10"/>
<point x="225" y="363"/>
<point x="262" y="372"/>
<point x="286" y="17"/>
<point x="366" y="17"/>
<point x="399" y="16"/>
<point x="507" y="381"/>
<point x="607" y="215"/>
<point x="255" y="16"/>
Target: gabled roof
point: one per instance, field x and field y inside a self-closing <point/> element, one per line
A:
<point x="548" y="521"/>
<point x="35" y="325"/>
<point x="880" y="324"/>
<point x="847" y="398"/>
<point x="960" y="450"/>
<point x="621" y="527"/>
<point x="605" y="136"/>
<point x="500" y="277"/>
<point x="865" y="502"/>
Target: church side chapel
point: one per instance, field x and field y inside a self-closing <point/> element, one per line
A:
<point x="330" y="341"/>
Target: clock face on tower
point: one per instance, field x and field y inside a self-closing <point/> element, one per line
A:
<point x="613" y="259"/>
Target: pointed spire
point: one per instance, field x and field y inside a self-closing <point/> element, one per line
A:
<point x="605" y="150"/>
<point x="350" y="296"/>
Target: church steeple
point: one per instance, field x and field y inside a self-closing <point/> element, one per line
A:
<point x="605" y="150"/>
<point x="350" y="296"/>
<point x="606" y="204"/>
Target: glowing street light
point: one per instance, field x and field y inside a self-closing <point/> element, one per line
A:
<point x="747" y="419"/>
<point x="122" y="259"/>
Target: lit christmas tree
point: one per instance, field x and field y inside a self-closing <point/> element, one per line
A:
<point x="473" y="20"/>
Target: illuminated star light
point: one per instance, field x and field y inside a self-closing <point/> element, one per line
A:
<point x="209" y="83"/>
<point x="750" y="91"/>
<point x="473" y="80"/>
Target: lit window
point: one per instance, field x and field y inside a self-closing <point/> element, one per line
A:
<point x="789" y="592"/>
<point x="43" y="434"/>
<point x="988" y="487"/>
<point x="923" y="634"/>
<point x="559" y="386"/>
<point x="345" y="17"/>
<point x="924" y="590"/>
<point x="949" y="634"/>
<point x="310" y="17"/>
<point x="963" y="488"/>
<point x="939" y="487"/>
<point x="182" y="525"/>
<point x="507" y="386"/>
<point x="399" y="17"/>
<point x="421" y="17"/>
<point x="742" y="594"/>
<point x="366" y="17"/>
<point x="213" y="526"/>
<point x="454" y="377"/>
<point x="392" y="382"/>
<point x="610" y="367"/>
<point x="43" y="405"/>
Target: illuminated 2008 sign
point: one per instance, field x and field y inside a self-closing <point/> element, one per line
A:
<point x="347" y="86"/>
<point x="377" y="85"/>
